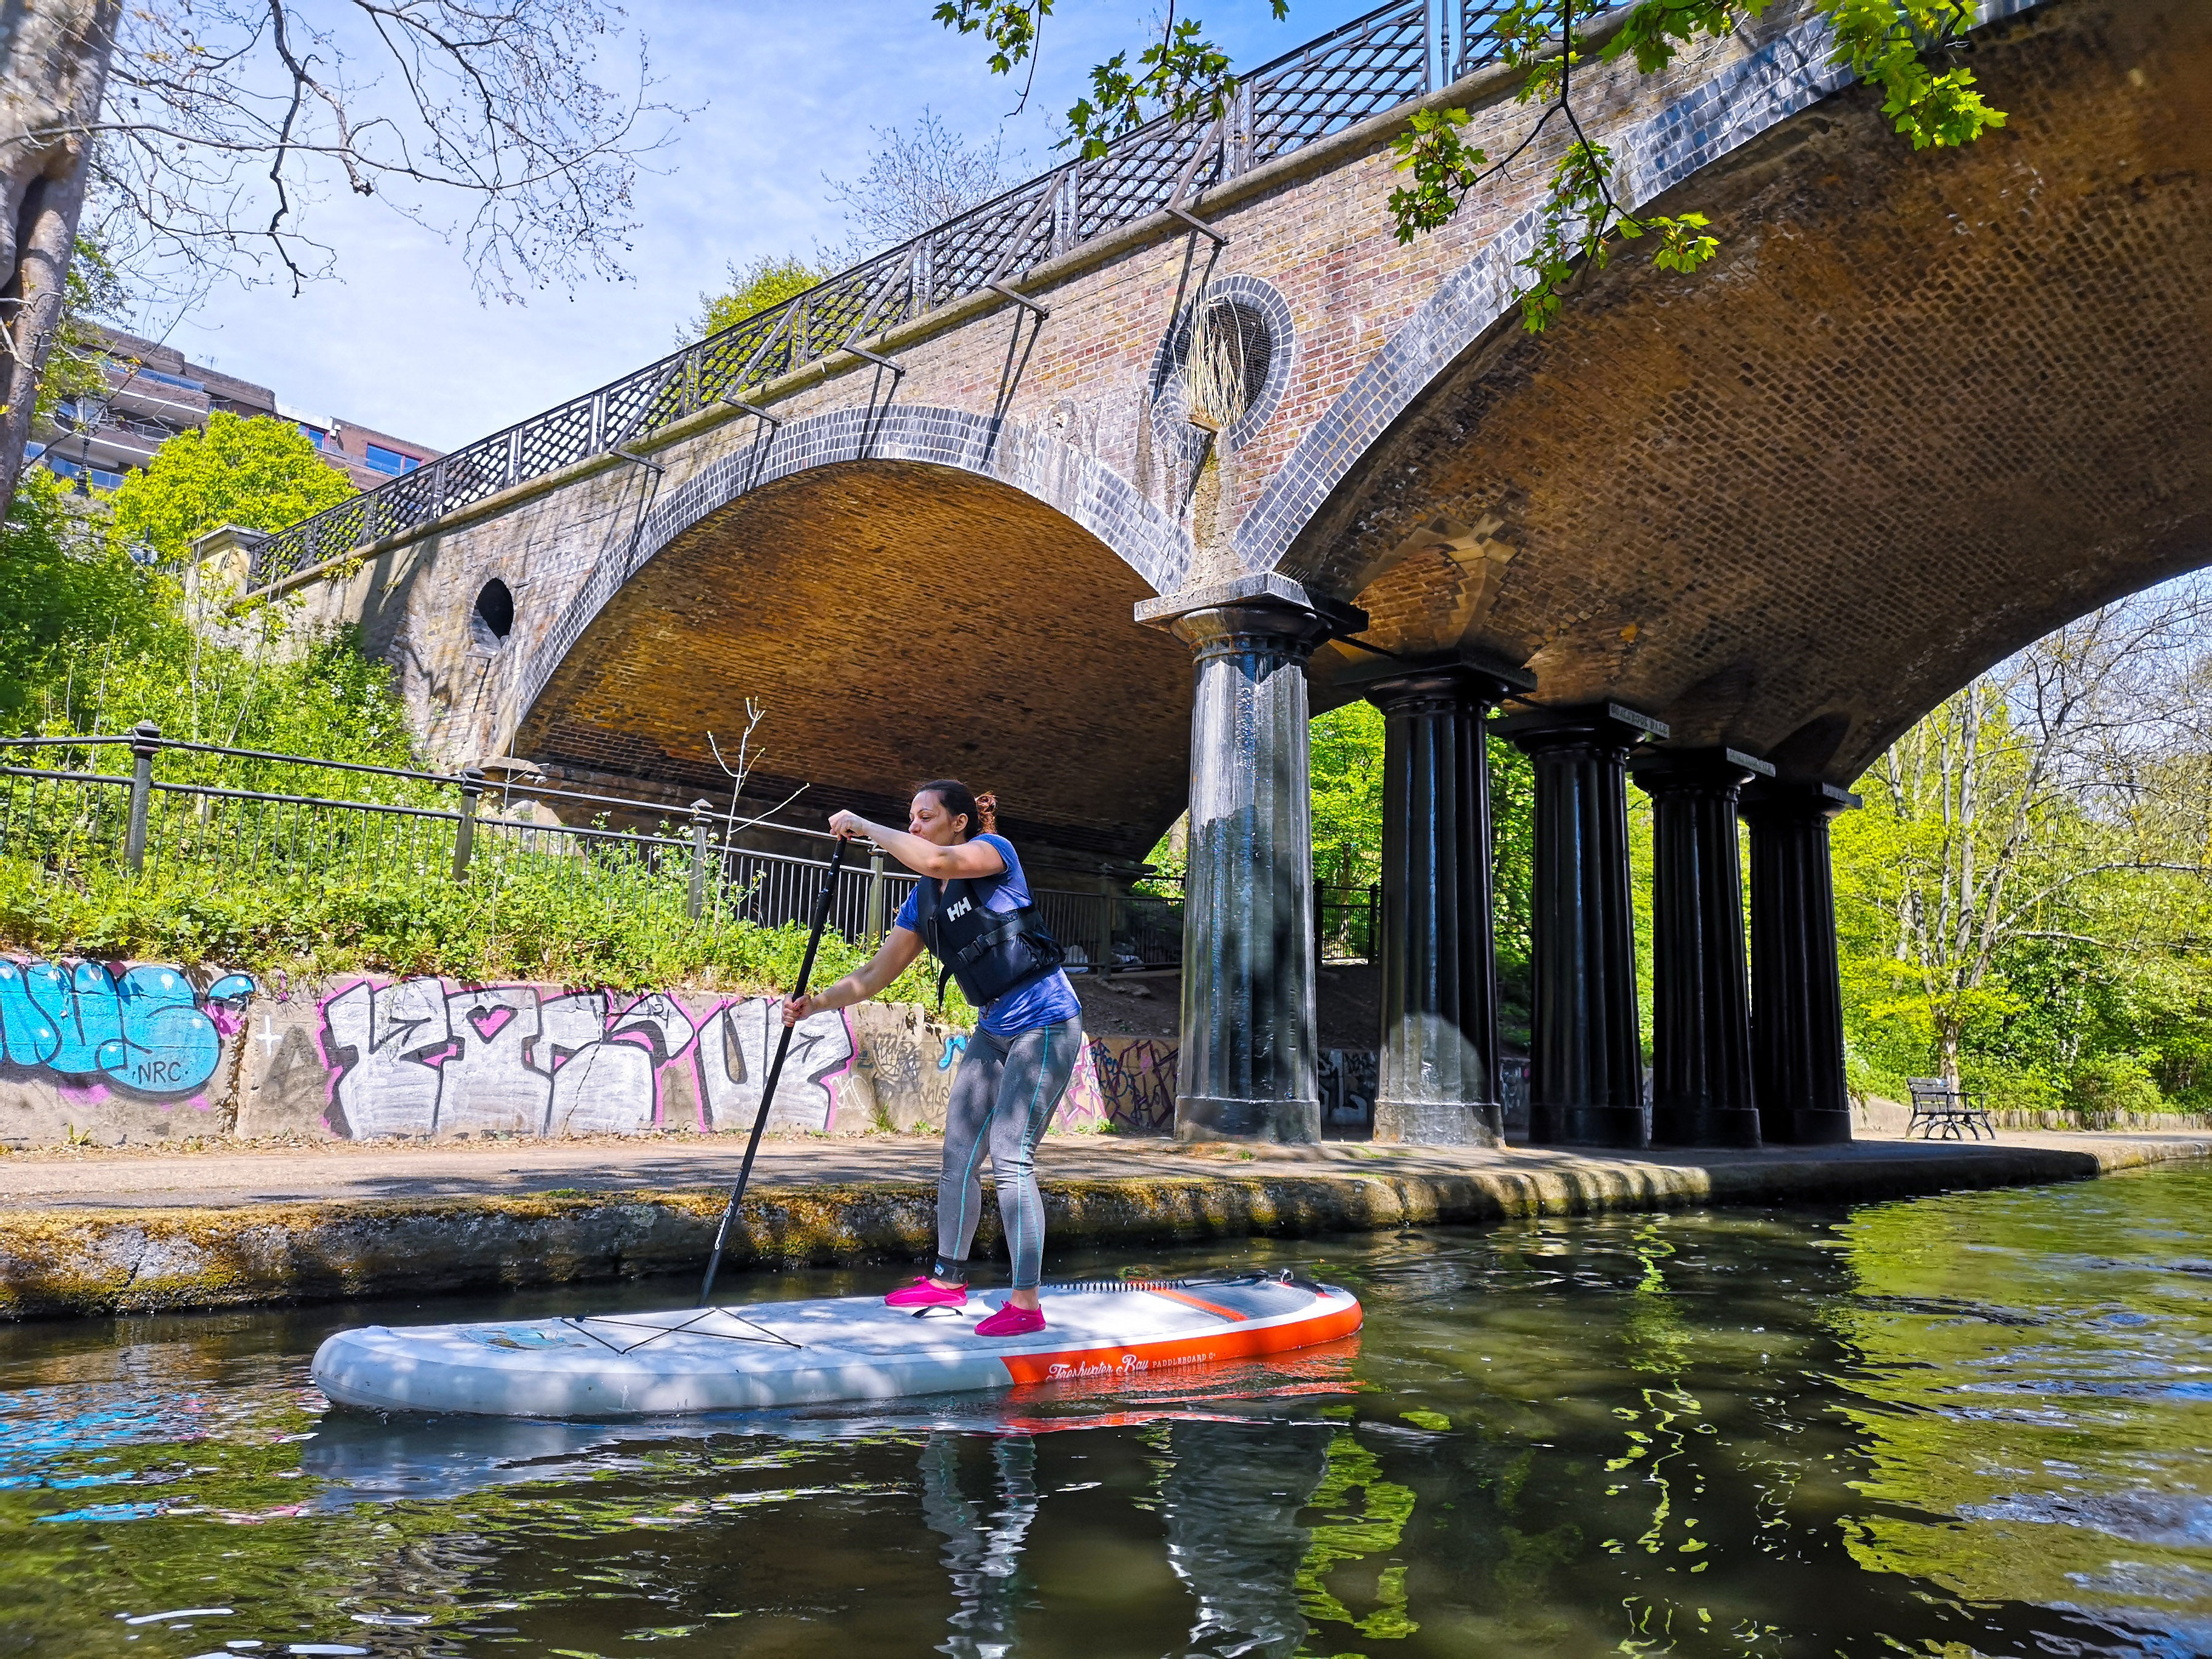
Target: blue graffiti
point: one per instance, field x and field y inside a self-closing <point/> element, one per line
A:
<point x="148" y="1030"/>
<point x="954" y="1048"/>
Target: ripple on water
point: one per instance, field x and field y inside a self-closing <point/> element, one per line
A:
<point x="1958" y="1425"/>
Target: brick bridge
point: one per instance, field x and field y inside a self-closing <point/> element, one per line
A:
<point x="1734" y="532"/>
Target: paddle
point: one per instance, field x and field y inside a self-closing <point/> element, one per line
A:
<point x="774" y="1071"/>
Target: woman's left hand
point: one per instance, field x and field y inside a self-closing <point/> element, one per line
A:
<point x="847" y="824"/>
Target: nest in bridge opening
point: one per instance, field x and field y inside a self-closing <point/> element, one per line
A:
<point x="1222" y="351"/>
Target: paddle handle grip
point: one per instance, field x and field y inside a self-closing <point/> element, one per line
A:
<point x="774" y="1071"/>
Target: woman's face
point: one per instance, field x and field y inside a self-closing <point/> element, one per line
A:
<point x="928" y="818"/>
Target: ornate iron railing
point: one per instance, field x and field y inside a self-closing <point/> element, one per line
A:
<point x="1375" y="62"/>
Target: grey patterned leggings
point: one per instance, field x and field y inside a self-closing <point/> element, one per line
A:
<point x="1004" y="1093"/>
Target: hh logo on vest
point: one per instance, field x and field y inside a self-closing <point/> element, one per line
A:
<point x="955" y="911"/>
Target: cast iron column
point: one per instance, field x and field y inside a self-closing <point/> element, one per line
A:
<point x="1701" y="1086"/>
<point x="1586" y="1082"/>
<point x="1249" y="1067"/>
<point x="1437" y="1074"/>
<point x="1796" y="995"/>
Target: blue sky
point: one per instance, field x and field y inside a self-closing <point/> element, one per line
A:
<point x="783" y="93"/>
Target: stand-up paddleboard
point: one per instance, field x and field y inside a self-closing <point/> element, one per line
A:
<point x="795" y="1353"/>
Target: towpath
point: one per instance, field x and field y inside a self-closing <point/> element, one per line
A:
<point x="104" y="1231"/>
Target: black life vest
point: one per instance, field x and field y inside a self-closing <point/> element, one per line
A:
<point x="991" y="952"/>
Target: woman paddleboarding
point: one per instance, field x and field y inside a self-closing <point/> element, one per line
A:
<point x="973" y="911"/>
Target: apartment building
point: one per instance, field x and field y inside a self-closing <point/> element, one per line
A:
<point x="154" y="392"/>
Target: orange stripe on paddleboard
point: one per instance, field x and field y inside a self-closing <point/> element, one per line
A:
<point x="1137" y="1359"/>
<point x="1200" y="1302"/>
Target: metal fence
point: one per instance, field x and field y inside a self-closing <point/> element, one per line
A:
<point x="1388" y="57"/>
<point x="140" y="805"/>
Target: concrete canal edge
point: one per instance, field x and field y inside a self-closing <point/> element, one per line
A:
<point x="60" y="1262"/>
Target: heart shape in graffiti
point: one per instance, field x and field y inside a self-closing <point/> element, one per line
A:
<point x="490" y="1021"/>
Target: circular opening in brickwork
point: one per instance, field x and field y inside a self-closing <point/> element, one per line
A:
<point x="1224" y="351"/>
<point x="494" y="613"/>
<point x="1222" y="366"/>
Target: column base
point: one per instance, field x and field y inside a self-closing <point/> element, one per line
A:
<point x="1217" y="1117"/>
<point x="1804" y="1125"/>
<point x="1619" y="1126"/>
<point x="1440" y="1123"/>
<point x="1696" y="1124"/>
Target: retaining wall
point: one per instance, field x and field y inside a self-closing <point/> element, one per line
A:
<point x="116" y="1053"/>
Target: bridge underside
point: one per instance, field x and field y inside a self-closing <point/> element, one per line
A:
<point x="1924" y="408"/>
<point x="897" y="621"/>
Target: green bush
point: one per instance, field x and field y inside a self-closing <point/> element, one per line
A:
<point x="93" y="642"/>
<point x="2105" y="1084"/>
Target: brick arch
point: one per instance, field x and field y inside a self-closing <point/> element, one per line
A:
<point x="904" y="606"/>
<point x="1787" y="75"/>
<point x="1077" y="486"/>
<point x="1926" y="408"/>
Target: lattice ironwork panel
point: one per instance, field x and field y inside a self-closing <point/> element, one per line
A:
<point x="1375" y="64"/>
<point x="555" y="439"/>
<point x="725" y="358"/>
<point x="630" y="401"/>
<point x="848" y="306"/>
<point x="473" y="473"/>
<point x="1479" y="41"/>
<point x="995" y="240"/>
<point x="281" y="555"/>
<point x="1138" y="176"/>
<point x="412" y="499"/>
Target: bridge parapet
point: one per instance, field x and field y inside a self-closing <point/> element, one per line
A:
<point x="1389" y="58"/>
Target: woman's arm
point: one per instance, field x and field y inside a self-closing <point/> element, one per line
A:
<point x="924" y="858"/>
<point x="899" y="947"/>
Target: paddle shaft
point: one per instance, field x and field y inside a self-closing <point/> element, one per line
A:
<point x="774" y="1070"/>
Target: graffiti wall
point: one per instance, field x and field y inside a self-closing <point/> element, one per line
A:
<point x="140" y="1051"/>
<point x="420" y="1057"/>
<point x="113" y="1051"/>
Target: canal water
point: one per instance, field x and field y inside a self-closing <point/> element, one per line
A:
<point x="1973" y="1424"/>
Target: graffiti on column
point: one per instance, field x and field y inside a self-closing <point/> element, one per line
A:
<point x="414" y="1057"/>
<point x="1347" y="1086"/>
<point x="145" y="1030"/>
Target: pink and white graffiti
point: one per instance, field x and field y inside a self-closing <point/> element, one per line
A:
<point x="416" y="1057"/>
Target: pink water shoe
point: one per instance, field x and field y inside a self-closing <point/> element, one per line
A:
<point x="1011" y="1320"/>
<point x="923" y="1294"/>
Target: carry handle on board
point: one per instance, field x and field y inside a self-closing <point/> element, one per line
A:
<point x="774" y="1071"/>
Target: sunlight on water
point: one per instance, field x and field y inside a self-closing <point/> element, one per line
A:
<point x="1973" y="1425"/>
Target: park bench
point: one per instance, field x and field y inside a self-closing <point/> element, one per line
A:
<point x="1940" y="1109"/>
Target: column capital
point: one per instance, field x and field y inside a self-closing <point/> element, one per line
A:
<point x="1796" y="798"/>
<point x="1656" y="771"/>
<point x="1262" y="605"/>
<point x="1598" y="725"/>
<point x="1458" y="679"/>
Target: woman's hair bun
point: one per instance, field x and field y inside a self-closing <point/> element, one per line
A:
<point x="987" y="813"/>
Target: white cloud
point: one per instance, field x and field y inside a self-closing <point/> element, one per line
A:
<point x="783" y="93"/>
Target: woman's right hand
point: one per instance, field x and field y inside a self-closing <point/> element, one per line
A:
<point x="798" y="1008"/>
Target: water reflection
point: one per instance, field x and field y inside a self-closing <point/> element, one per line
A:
<point x="1232" y="1497"/>
<point x="982" y="1538"/>
<point x="1966" y="1426"/>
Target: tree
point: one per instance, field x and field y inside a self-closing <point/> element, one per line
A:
<point x="917" y="179"/>
<point x="765" y="284"/>
<point x="195" y="131"/>
<point x="257" y="472"/>
<point x="2025" y="835"/>
<point x="1898" y="45"/>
